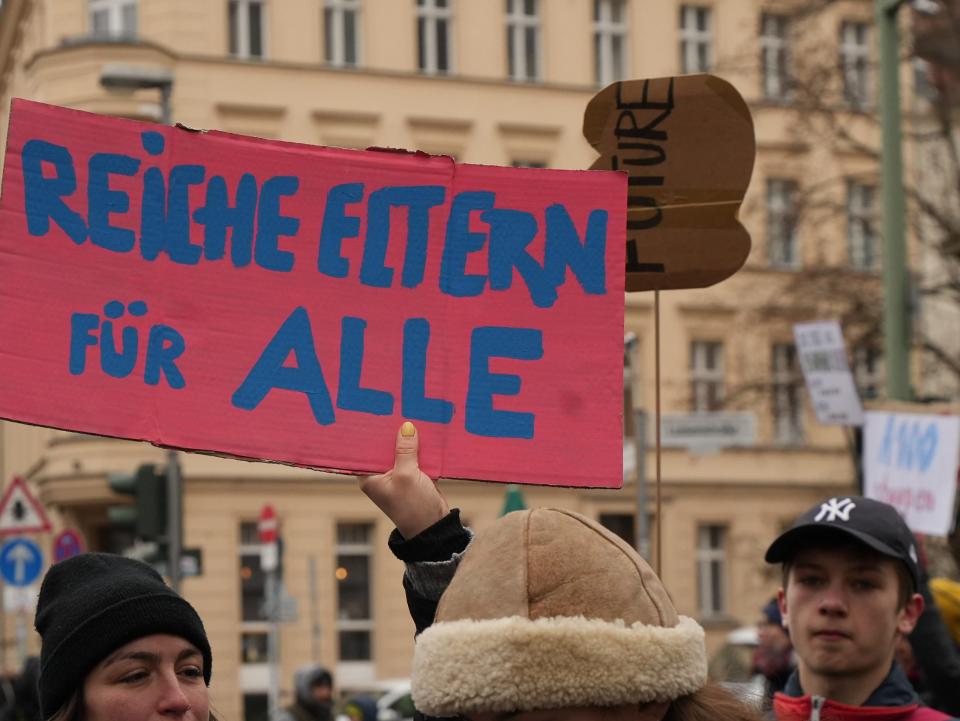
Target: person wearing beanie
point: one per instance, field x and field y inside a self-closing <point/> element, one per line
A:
<point x="544" y="615"/>
<point x="851" y="574"/>
<point x="118" y="644"/>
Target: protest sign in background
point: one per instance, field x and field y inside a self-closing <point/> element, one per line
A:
<point x="910" y="461"/>
<point x="287" y="302"/>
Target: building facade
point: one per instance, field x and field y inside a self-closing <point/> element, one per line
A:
<point x="500" y="83"/>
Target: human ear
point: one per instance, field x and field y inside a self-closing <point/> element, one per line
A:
<point x="910" y="614"/>
<point x="782" y="603"/>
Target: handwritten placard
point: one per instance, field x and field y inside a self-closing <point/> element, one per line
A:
<point x="294" y="303"/>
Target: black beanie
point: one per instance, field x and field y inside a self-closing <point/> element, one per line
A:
<point x="92" y="604"/>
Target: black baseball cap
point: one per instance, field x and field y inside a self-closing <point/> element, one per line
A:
<point x="875" y="524"/>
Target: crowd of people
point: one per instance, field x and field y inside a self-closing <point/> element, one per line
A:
<point x="543" y="616"/>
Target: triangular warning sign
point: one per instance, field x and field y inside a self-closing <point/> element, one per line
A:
<point x="20" y="511"/>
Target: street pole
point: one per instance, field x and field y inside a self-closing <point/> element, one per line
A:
<point x="896" y="336"/>
<point x="639" y="444"/>
<point x="174" y="519"/>
<point x="272" y="603"/>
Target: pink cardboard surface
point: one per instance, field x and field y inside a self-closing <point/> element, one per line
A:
<point x="293" y="303"/>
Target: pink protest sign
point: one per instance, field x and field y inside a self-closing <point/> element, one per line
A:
<point x="278" y="301"/>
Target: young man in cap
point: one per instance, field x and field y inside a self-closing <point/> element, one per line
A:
<point x="850" y="589"/>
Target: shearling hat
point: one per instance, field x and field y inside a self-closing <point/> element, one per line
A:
<point x="92" y="604"/>
<point x="548" y="609"/>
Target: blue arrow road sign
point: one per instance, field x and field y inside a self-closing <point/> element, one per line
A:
<point x="20" y="562"/>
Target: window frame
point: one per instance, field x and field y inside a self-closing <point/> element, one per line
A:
<point x="863" y="237"/>
<point x="786" y="383"/>
<point x="258" y="627"/>
<point x="855" y="63"/>
<point x="242" y="30"/>
<point x="518" y="22"/>
<point x="692" y="38"/>
<point x="707" y="554"/>
<point x="707" y="385"/>
<point x="335" y="34"/>
<point x="783" y="239"/>
<point x="606" y="31"/>
<point x="115" y="18"/>
<point x="341" y="549"/>
<point x="775" y="56"/>
<point x="428" y="15"/>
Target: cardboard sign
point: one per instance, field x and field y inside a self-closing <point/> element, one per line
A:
<point x="278" y="301"/>
<point x="823" y="358"/>
<point x="910" y="461"/>
<point x="688" y="146"/>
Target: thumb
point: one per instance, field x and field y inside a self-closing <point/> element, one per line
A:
<point x="406" y="462"/>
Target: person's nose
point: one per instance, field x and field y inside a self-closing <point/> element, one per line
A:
<point x="832" y="601"/>
<point x="173" y="700"/>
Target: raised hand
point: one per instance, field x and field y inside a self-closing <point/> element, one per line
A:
<point x="405" y="494"/>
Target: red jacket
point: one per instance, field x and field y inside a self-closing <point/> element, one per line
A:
<point x="894" y="700"/>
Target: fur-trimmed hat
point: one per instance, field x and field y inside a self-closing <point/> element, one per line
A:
<point x="550" y="610"/>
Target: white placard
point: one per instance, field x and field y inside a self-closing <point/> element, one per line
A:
<point x="823" y="358"/>
<point x="910" y="461"/>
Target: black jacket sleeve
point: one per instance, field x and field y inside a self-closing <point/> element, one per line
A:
<point x="440" y="542"/>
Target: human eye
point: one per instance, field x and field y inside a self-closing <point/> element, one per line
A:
<point x="865" y="584"/>
<point x="134" y="677"/>
<point x="810" y="580"/>
<point x="192" y="672"/>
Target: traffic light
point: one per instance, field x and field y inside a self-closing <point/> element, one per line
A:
<point x="147" y="515"/>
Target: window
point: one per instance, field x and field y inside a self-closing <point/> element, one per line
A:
<point x="253" y="620"/>
<point x="523" y="39"/>
<point x="867" y="371"/>
<point x="711" y="562"/>
<point x="862" y="241"/>
<point x="774" y="56"/>
<point x="854" y="55"/>
<point x="433" y="36"/>
<point x="340" y="28"/>
<point x="354" y="601"/>
<point x="528" y="164"/>
<point x="696" y="55"/>
<point x="782" y="250"/>
<point x="246" y="28"/>
<point x="706" y="375"/>
<point x="113" y="18"/>
<point x="609" y="40"/>
<point x="787" y="385"/>
<point x="621" y="524"/>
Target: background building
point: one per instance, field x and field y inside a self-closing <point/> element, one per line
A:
<point x="498" y="83"/>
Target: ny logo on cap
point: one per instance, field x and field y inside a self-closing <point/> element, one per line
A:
<point x="835" y="508"/>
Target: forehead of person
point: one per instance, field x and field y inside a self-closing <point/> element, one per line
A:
<point x="547" y="611"/>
